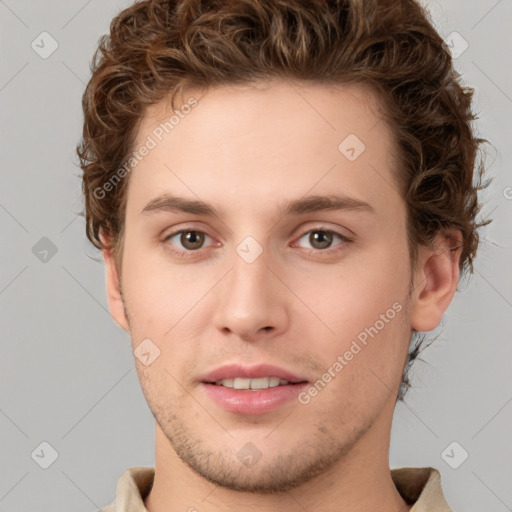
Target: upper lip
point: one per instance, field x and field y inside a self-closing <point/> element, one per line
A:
<point x="232" y="371"/>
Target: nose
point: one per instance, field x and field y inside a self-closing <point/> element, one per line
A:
<point x="252" y="303"/>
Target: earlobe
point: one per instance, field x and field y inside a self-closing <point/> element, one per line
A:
<point x="113" y="285"/>
<point x="435" y="281"/>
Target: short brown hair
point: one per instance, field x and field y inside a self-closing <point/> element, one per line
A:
<point x="157" y="47"/>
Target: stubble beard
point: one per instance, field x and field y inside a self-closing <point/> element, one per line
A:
<point x="273" y="473"/>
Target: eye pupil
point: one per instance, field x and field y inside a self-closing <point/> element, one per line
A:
<point x="192" y="239"/>
<point x="320" y="239"/>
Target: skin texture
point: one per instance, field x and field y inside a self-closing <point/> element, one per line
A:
<point x="246" y="150"/>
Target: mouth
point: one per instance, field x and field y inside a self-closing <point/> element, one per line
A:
<point x="250" y="377"/>
<point x="251" y="390"/>
<point x="241" y="383"/>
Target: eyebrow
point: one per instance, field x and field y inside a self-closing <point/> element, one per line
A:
<point x="169" y="203"/>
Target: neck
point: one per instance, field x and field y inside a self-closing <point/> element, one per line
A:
<point x="360" y="481"/>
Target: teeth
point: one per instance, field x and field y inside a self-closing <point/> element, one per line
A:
<point x="228" y="383"/>
<point x="242" y="383"/>
<point x="259" y="383"/>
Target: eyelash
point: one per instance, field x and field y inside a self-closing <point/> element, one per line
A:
<point x="330" y="250"/>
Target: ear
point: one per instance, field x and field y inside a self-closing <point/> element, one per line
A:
<point x="435" y="281"/>
<point x="114" y="297"/>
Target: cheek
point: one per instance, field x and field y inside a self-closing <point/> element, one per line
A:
<point x="158" y="293"/>
<point x="159" y="386"/>
<point x="363" y="368"/>
<point x="350" y="296"/>
<point x="362" y="337"/>
<point x="168" y="307"/>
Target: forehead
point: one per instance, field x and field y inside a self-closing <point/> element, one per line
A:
<point x="274" y="138"/>
<point x="268" y="106"/>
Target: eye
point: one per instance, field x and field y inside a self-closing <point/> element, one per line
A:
<point x="322" y="239"/>
<point x="189" y="239"/>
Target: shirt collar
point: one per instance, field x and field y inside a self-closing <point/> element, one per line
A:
<point x="421" y="486"/>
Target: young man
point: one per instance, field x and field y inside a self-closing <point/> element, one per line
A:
<point x="283" y="193"/>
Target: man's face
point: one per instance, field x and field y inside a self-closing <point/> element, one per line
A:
<point x="257" y="285"/>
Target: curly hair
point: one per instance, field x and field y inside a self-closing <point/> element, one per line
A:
<point x="156" y="48"/>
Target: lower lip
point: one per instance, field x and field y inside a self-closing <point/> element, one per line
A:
<point x="246" y="401"/>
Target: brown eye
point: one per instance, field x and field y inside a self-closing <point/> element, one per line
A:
<point x="323" y="240"/>
<point x="192" y="240"/>
<point x="185" y="241"/>
<point x="320" y="239"/>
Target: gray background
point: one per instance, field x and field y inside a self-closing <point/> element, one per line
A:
<point x="67" y="372"/>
